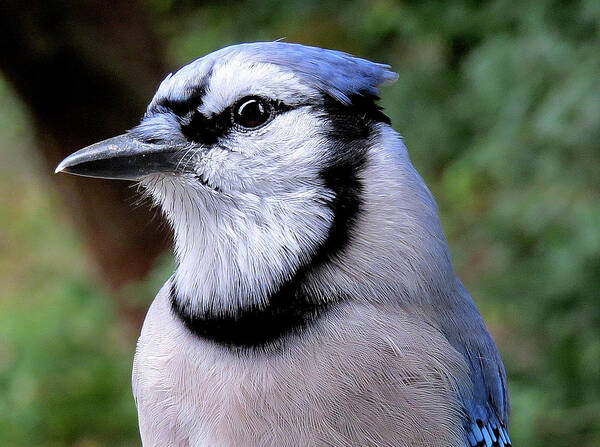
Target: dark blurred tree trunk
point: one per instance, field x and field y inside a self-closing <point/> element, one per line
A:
<point x="86" y="70"/>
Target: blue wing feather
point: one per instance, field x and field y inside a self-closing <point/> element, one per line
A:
<point x="484" y="397"/>
<point x="491" y="434"/>
<point x="485" y="423"/>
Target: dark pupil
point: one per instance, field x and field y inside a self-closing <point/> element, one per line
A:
<point x="251" y="113"/>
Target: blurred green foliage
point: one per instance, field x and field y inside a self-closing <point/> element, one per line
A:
<point x="499" y="105"/>
<point x="63" y="366"/>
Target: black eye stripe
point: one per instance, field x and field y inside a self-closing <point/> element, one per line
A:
<point x="200" y="129"/>
<point x="208" y="130"/>
<point x="182" y="107"/>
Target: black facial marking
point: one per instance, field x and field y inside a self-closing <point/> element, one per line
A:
<point x="205" y="130"/>
<point x="198" y="128"/>
<point x="365" y="107"/>
<point x="351" y="127"/>
<point x="292" y="307"/>
<point x="182" y="107"/>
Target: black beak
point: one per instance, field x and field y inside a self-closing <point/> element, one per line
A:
<point x="123" y="158"/>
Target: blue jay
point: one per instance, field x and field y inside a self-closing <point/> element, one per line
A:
<point x="314" y="302"/>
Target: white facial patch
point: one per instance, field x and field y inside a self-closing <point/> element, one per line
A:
<point x="237" y="77"/>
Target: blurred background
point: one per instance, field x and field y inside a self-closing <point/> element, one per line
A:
<point x="499" y="105"/>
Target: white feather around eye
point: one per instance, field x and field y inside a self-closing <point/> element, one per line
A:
<point x="237" y="77"/>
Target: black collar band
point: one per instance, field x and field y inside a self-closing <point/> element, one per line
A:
<point x="287" y="312"/>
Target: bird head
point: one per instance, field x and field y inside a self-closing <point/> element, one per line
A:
<point x="258" y="154"/>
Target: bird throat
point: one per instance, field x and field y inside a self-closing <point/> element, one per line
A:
<point x="293" y="306"/>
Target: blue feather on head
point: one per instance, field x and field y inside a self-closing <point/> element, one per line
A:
<point x="333" y="73"/>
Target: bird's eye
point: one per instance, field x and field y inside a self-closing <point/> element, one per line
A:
<point x="251" y="112"/>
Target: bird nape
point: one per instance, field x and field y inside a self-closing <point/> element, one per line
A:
<point x="314" y="302"/>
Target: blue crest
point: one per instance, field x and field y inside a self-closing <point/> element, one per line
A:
<point x="332" y="72"/>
